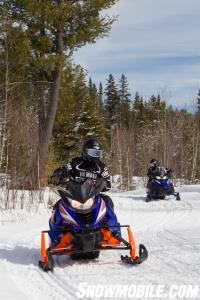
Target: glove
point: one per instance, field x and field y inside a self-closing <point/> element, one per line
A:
<point x="55" y="180"/>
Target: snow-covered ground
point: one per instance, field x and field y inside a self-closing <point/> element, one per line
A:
<point x="170" y="230"/>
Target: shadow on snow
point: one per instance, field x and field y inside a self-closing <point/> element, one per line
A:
<point x="20" y="255"/>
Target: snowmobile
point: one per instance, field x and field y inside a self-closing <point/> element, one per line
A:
<point x="160" y="187"/>
<point x="83" y="223"/>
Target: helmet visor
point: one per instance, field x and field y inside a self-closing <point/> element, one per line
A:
<point x="94" y="152"/>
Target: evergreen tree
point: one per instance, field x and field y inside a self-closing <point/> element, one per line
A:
<point x="73" y="92"/>
<point x="198" y="100"/>
<point x="93" y="94"/>
<point x="91" y="123"/>
<point x="138" y="110"/>
<point x="54" y="29"/>
<point x="112" y="101"/>
<point x="125" y="101"/>
<point x="101" y="107"/>
<point x="78" y="117"/>
<point x="100" y="95"/>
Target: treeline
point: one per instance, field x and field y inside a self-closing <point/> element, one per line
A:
<point x="48" y="107"/>
<point x="131" y="129"/>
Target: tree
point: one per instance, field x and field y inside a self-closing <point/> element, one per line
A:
<point x="100" y="97"/>
<point x="138" y="110"/>
<point x="112" y="101"/>
<point x="78" y="116"/>
<point x="91" y="121"/>
<point x="196" y="139"/>
<point x="18" y="122"/>
<point x="54" y="29"/>
<point x="125" y="101"/>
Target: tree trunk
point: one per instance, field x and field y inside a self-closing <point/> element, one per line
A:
<point x="46" y="120"/>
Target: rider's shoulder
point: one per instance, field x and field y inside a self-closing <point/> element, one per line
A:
<point x="76" y="160"/>
<point x="102" y="165"/>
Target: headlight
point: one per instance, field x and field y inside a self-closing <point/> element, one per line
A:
<point x="158" y="177"/>
<point x="77" y="205"/>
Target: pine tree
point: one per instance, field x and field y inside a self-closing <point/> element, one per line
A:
<point x="125" y="101"/>
<point x="65" y="141"/>
<point x="138" y="110"/>
<point x="100" y="95"/>
<point x="198" y="100"/>
<point x="112" y="102"/>
<point x="54" y="29"/>
<point x="93" y="94"/>
<point x="78" y="117"/>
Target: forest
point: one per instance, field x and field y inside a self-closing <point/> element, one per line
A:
<point x="48" y="106"/>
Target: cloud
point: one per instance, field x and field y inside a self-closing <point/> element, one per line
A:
<point x="155" y="43"/>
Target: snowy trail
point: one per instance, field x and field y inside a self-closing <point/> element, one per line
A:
<point x="169" y="230"/>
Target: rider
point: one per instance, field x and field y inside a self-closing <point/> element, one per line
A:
<point x="89" y="165"/>
<point x="78" y="170"/>
<point x="154" y="170"/>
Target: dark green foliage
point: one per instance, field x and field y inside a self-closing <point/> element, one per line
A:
<point x="112" y="101"/>
<point x="138" y="110"/>
<point x="78" y="116"/>
<point x="152" y="129"/>
<point x="125" y="100"/>
<point x="38" y="39"/>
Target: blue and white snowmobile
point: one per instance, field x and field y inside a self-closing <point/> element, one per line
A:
<point x="160" y="186"/>
<point x="83" y="223"/>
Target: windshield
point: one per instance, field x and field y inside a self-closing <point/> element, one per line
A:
<point x="161" y="172"/>
<point x="82" y="192"/>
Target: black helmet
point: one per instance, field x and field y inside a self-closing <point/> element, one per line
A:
<point x="154" y="163"/>
<point x="92" y="150"/>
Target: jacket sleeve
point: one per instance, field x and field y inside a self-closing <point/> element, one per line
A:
<point x="63" y="171"/>
<point x="106" y="176"/>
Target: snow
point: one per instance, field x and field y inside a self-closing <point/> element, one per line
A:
<point x="168" y="228"/>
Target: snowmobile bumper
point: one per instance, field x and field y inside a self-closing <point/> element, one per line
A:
<point x="85" y="244"/>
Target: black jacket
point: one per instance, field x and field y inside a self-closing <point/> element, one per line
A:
<point x="79" y="169"/>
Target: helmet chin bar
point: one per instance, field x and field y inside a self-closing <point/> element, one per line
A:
<point x="90" y="158"/>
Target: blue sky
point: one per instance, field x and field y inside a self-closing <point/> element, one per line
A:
<point x="156" y="44"/>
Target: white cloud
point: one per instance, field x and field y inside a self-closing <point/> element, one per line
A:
<point x="155" y="42"/>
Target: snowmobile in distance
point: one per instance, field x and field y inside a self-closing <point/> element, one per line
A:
<point x="86" y="225"/>
<point x="160" y="187"/>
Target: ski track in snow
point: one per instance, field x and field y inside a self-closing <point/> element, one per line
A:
<point x="168" y="228"/>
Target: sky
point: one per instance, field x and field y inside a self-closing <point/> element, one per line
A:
<point x="156" y="44"/>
